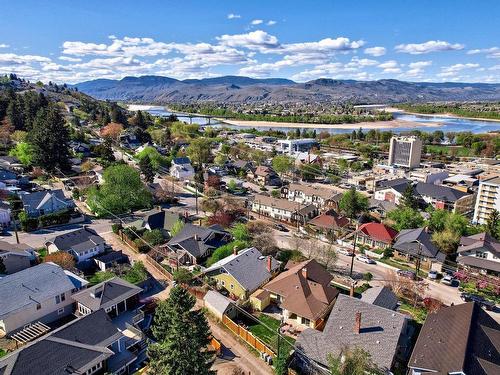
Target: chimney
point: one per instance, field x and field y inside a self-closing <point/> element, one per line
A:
<point x="158" y="208"/>
<point x="351" y="290"/>
<point x="269" y="264"/>
<point x="235" y="250"/>
<point x="196" y="237"/>
<point x="304" y="272"/>
<point x="357" y="323"/>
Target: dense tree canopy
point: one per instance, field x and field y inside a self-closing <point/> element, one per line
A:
<point x="353" y="203"/>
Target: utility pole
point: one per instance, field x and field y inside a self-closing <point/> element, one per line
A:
<point x="15" y="230"/>
<point x="353" y="252"/>
<point x="418" y="261"/>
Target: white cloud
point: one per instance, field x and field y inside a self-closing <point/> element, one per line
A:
<point x="419" y="64"/>
<point x="390" y="66"/>
<point x="3" y="45"/>
<point x="271" y="23"/>
<point x="14" y="59"/>
<point x="427" y="47"/>
<point x="256" y="22"/>
<point x="375" y="51"/>
<point x="324" y="45"/>
<point x="493" y="52"/>
<point x="71" y="59"/>
<point x="232" y="16"/>
<point x="416" y="69"/>
<point x="459" y="67"/>
<point x="256" y="40"/>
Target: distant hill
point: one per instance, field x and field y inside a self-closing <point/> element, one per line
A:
<point x="236" y="89"/>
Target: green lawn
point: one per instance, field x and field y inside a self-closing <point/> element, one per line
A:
<point x="418" y="313"/>
<point x="402" y="266"/>
<point x="268" y="335"/>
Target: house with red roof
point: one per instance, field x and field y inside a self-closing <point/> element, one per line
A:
<point x="328" y="224"/>
<point x="375" y="235"/>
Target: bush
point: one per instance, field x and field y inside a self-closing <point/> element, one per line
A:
<point x="141" y="246"/>
<point x="116" y="228"/>
<point x="101" y="276"/>
<point x="388" y="253"/>
<point x="61" y="258"/>
<point x="368" y="276"/>
<point x="182" y="276"/>
<point x="153" y="237"/>
<point x="55" y="218"/>
<point x="136" y="274"/>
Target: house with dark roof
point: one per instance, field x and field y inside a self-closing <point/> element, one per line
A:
<point x="243" y="272"/>
<point x="194" y="243"/>
<point x="460" y="339"/>
<point x="16" y="257"/>
<point x="329" y="224"/>
<point x="392" y="190"/>
<point x="383" y="333"/>
<point x="303" y="292"/>
<point x="40" y="293"/>
<point x="480" y="253"/>
<point x="181" y="169"/>
<point x="92" y="344"/>
<point x="446" y="198"/>
<point x="381" y="296"/>
<point x="375" y="235"/>
<point x="413" y="244"/>
<point x="82" y="244"/>
<point x="115" y="296"/>
<point x="380" y="209"/>
<point x="161" y="219"/>
<point x="45" y="202"/>
<point x="110" y="259"/>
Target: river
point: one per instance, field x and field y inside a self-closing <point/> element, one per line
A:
<point x="444" y="123"/>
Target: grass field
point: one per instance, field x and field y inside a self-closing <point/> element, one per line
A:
<point x="268" y="335"/>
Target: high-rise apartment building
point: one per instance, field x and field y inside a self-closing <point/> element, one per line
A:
<point x="405" y="151"/>
<point x="488" y="199"/>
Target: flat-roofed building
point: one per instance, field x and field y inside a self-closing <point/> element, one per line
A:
<point x="488" y="200"/>
<point x="405" y="152"/>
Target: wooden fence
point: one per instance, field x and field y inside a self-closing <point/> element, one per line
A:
<point x="247" y="336"/>
<point x="157" y="266"/>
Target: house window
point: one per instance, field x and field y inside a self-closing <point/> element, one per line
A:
<point x="58" y="299"/>
<point x="480" y="254"/>
<point x="305" y="321"/>
<point x="222" y="283"/>
<point x="63" y="297"/>
<point x="60" y="311"/>
<point x="232" y="287"/>
<point x="38" y="306"/>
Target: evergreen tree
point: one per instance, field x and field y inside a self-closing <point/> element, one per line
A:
<point x="182" y="336"/>
<point x="3" y="269"/>
<point x="49" y="138"/>
<point x="353" y="203"/>
<point x="408" y="199"/>
<point x="147" y="168"/>
<point x="493" y="224"/>
<point x="15" y="114"/>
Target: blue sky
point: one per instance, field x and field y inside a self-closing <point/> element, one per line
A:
<point x="72" y="41"/>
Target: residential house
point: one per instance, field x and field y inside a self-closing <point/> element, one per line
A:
<point x="330" y="224"/>
<point x="303" y="292"/>
<point x="45" y="202"/>
<point x="263" y="176"/>
<point x="10" y="163"/>
<point x="380" y="209"/>
<point x="5" y="217"/>
<point x="40" y="293"/>
<point x="194" y="243"/>
<point x="283" y="210"/>
<point x="383" y="333"/>
<point x="446" y="198"/>
<point x="243" y="272"/>
<point x="381" y="296"/>
<point x="110" y="259"/>
<point x="459" y="339"/>
<point x="392" y="190"/>
<point x="480" y="253"/>
<point x="240" y="166"/>
<point x="91" y="344"/>
<point x="82" y="244"/>
<point x="219" y="305"/>
<point x="375" y="235"/>
<point x="308" y="194"/>
<point x="80" y="148"/>
<point x="413" y="244"/>
<point x="307" y="158"/>
<point x="16" y="257"/>
<point x="181" y="169"/>
<point x="158" y="218"/>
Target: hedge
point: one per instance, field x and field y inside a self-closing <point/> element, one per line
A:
<point x="30" y="223"/>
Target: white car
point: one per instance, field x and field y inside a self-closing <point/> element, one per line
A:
<point x="345" y="251"/>
<point x="448" y="280"/>
<point x="365" y="259"/>
<point x="432" y="275"/>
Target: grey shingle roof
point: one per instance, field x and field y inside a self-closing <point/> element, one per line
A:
<point x="22" y="289"/>
<point x="443" y="193"/>
<point x="406" y="241"/>
<point x="33" y="200"/>
<point x="197" y="240"/>
<point x="398" y="184"/>
<point x="77" y="345"/>
<point x="217" y="301"/>
<point x="379" y="335"/>
<point x="181" y="160"/>
<point x="78" y="240"/>
<point x="380" y="296"/>
<point x="106" y="294"/>
<point x="248" y="267"/>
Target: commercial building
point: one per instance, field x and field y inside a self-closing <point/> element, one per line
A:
<point x="405" y="152"/>
<point x="291" y="146"/>
<point x="488" y="200"/>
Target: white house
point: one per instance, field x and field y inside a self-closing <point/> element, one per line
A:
<point x="82" y="243"/>
<point x="182" y="169"/>
<point x="307" y="194"/>
<point x="45" y="202"/>
<point x="283" y="210"/>
<point x="480" y="252"/>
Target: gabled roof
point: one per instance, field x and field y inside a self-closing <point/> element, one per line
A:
<point x="218" y="302"/>
<point x="398" y="184"/>
<point x="311" y="190"/>
<point x="413" y="241"/>
<point x="439" y="192"/>
<point x="77" y="345"/>
<point x="106" y="294"/>
<point x="329" y="220"/>
<point x="37" y="199"/>
<point x="378" y="232"/>
<point x="197" y="240"/>
<point x="248" y="267"/>
<point x="78" y="240"/>
<point x="381" y="296"/>
<point x="460" y="338"/>
<point x="382" y="205"/>
<point x="379" y="334"/>
<point x="19" y="249"/>
<point x="305" y="288"/>
<point x="263" y="170"/>
<point x="481" y="241"/>
<point x="282" y="204"/>
<point x="23" y="289"/>
<point x="181" y="160"/>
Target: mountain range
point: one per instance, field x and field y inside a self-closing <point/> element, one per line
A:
<point x="237" y="89"/>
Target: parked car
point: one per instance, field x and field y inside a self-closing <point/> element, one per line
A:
<point x="406" y="274"/>
<point x="281" y="228"/>
<point x="432" y="275"/>
<point x="365" y="259"/>
<point x="448" y="280"/>
<point x="346" y="251"/>
<point x="467" y="297"/>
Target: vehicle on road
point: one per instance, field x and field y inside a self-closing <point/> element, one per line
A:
<point x="365" y="259"/>
<point x="346" y="251"/>
<point x="448" y="280"/>
<point x="468" y="297"/>
<point x="407" y="274"/>
<point x="281" y="228"/>
<point x="432" y="275"/>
